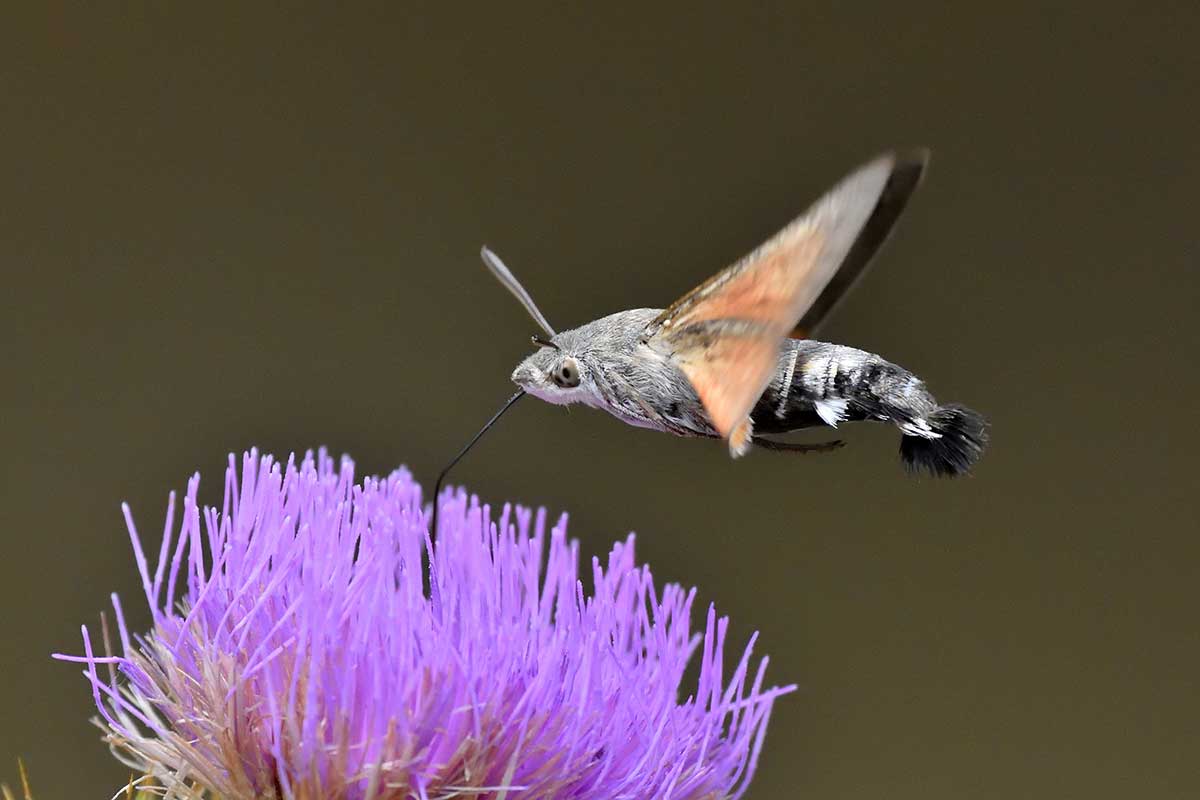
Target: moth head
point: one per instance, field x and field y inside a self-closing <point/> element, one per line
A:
<point x="553" y="374"/>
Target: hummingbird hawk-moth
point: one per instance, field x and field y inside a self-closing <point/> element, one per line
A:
<point x="733" y="358"/>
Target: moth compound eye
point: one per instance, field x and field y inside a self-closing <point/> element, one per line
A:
<point x="566" y="374"/>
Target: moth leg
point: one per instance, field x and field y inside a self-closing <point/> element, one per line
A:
<point x="796" y="447"/>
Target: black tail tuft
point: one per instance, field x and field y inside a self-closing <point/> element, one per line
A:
<point x="963" y="439"/>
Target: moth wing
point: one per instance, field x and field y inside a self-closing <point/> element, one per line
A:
<point x="729" y="363"/>
<point x="905" y="178"/>
<point x="725" y="334"/>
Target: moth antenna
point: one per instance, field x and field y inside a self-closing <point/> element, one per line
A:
<point x="437" y="485"/>
<point x="510" y="282"/>
<point x="540" y="342"/>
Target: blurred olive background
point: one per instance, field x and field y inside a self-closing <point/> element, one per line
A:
<point x="232" y="227"/>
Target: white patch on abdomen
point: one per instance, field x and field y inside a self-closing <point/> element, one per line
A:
<point x="832" y="411"/>
<point x="918" y="427"/>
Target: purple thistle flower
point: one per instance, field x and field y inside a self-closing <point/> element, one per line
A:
<point x="313" y="655"/>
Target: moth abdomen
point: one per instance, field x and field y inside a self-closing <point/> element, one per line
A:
<point x="827" y="384"/>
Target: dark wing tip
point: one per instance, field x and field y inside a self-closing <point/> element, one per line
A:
<point x="919" y="155"/>
<point x="908" y="168"/>
<point x="907" y="172"/>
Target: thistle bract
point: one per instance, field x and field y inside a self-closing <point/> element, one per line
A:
<point x="305" y="644"/>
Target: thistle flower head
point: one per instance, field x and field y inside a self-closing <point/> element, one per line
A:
<point x="309" y="641"/>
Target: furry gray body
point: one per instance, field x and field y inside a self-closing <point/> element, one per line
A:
<point x="815" y="383"/>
